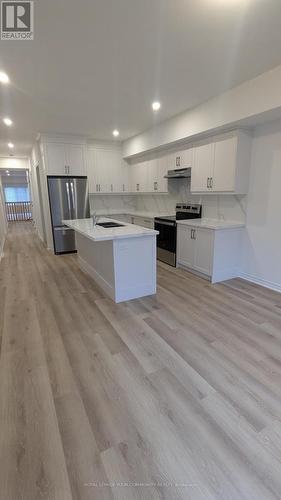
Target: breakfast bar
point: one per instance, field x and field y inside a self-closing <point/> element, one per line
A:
<point x="121" y="259"/>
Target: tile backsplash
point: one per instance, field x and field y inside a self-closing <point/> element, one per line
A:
<point x="225" y="207"/>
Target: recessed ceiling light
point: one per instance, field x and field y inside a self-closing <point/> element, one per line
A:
<point x="7" y="121"/>
<point x="10" y="145"/>
<point x="4" y="77"/>
<point x="156" y="106"/>
<point x="115" y="133"/>
<point x="8" y="173"/>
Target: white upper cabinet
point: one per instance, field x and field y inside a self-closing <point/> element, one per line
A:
<point x="223" y="165"/>
<point x="138" y="173"/>
<point x="202" y="168"/>
<point x="162" y="169"/>
<point x="55" y="156"/>
<point x="76" y="161"/>
<point x="65" y="159"/>
<point x="107" y="172"/>
<point x="181" y="159"/>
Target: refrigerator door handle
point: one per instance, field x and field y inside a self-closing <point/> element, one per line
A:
<point x="73" y="196"/>
<point x="68" y="199"/>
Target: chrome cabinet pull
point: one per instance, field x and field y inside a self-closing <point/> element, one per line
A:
<point x="194" y="234"/>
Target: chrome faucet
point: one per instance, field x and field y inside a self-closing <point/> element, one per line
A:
<point x="95" y="218"/>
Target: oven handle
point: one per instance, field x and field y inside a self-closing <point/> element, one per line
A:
<point x="165" y="223"/>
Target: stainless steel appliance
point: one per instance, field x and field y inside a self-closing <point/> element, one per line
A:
<point x="69" y="199"/>
<point x="179" y="173"/>
<point x="167" y="227"/>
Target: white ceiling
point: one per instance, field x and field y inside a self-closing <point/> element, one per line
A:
<point x="96" y="65"/>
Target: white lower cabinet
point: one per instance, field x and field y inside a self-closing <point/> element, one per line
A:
<point x="142" y="221"/>
<point x="214" y="253"/>
<point x="195" y="248"/>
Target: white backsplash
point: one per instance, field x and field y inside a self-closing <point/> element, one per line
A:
<point x="224" y="207"/>
<point x="109" y="204"/>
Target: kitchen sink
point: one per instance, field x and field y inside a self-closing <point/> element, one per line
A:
<point x="109" y="224"/>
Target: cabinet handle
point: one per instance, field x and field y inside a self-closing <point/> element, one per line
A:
<point x="191" y="234"/>
<point x="97" y="187"/>
<point x="194" y="234"/>
<point x="178" y="161"/>
<point x="211" y="183"/>
<point x="208" y="182"/>
<point x="138" y="187"/>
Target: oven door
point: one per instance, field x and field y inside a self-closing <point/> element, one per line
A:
<point x="166" y="241"/>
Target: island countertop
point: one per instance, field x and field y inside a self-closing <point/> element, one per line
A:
<point x="99" y="233"/>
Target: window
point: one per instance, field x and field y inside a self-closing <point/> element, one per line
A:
<point x="16" y="193"/>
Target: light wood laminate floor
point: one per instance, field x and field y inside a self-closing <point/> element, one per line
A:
<point x="176" y="396"/>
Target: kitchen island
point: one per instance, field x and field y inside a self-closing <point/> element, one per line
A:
<point x="122" y="260"/>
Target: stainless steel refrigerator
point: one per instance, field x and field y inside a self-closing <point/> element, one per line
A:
<point x="69" y="199"/>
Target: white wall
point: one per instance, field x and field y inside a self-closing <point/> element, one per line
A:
<point x="14" y="163"/>
<point x="3" y="222"/>
<point x="254" y="100"/>
<point x="262" y="250"/>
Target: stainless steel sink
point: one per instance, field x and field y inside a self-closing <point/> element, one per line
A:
<point x="109" y="224"/>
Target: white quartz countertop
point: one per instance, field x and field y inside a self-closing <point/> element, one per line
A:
<point x="211" y="223"/>
<point x="99" y="233"/>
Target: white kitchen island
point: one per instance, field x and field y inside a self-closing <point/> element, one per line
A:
<point x="122" y="260"/>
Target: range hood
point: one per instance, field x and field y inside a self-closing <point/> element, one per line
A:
<point x="178" y="173"/>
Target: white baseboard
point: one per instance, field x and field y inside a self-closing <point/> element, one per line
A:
<point x="260" y="281"/>
<point x="2" y="248"/>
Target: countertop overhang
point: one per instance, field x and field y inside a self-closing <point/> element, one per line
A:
<point x="99" y="233"/>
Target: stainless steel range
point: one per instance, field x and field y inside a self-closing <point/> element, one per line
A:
<point x="167" y="227"/>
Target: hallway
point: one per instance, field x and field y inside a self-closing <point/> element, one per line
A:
<point x="170" y="397"/>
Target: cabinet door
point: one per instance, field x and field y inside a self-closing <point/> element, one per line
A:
<point x="56" y="159"/>
<point x="181" y="159"/>
<point x="93" y="177"/>
<point x="162" y="168"/>
<point x="152" y="176"/>
<point x="75" y="156"/>
<point x="223" y="178"/>
<point x="185" y="246"/>
<point x="202" y="169"/>
<point x="123" y="178"/>
<point x="203" y="254"/>
<point x="106" y="169"/>
<point x="139" y="177"/>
